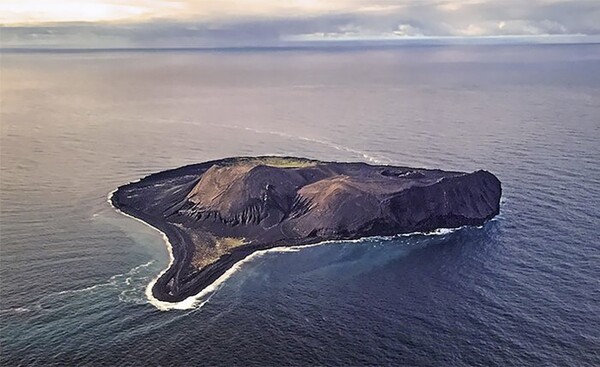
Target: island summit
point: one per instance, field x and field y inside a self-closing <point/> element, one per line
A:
<point x="217" y="213"/>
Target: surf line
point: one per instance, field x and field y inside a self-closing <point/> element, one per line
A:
<point x="370" y="158"/>
<point x="373" y="159"/>
<point x="196" y="301"/>
<point x="191" y="302"/>
<point x="161" y="305"/>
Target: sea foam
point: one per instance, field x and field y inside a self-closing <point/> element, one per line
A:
<point x="200" y="299"/>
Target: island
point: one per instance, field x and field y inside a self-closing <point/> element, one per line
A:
<point x="217" y="213"/>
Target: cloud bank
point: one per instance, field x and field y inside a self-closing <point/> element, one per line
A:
<point x="227" y="23"/>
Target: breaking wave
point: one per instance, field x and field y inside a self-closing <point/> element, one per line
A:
<point x="200" y="299"/>
<point x="124" y="283"/>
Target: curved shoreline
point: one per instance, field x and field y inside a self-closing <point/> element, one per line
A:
<point x="161" y="201"/>
<point x="194" y="301"/>
<point x="161" y="305"/>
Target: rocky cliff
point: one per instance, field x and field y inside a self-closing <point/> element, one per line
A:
<point x="218" y="212"/>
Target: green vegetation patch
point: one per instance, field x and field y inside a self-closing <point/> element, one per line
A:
<point x="280" y="162"/>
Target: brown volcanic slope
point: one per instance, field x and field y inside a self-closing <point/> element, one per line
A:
<point x="216" y="213"/>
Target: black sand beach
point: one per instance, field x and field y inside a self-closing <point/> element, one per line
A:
<point x="217" y="213"/>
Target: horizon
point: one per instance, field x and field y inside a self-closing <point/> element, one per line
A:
<point x="157" y="24"/>
<point x="340" y="45"/>
<point x="299" y="182"/>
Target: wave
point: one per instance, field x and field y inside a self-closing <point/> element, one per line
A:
<point x="193" y="301"/>
<point x="161" y="305"/>
<point x="198" y="300"/>
<point x="49" y="301"/>
<point x="370" y="158"/>
<point x="16" y="310"/>
<point x="339" y="147"/>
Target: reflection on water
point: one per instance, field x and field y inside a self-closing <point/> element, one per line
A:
<point x="520" y="290"/>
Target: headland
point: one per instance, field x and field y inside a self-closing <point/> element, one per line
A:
<point x="217" y="213"/>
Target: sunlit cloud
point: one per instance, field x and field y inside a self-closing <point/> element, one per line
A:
<point x="224" y="23"/>
<point x="39" y="11"/>
<point x="43" y="11"/>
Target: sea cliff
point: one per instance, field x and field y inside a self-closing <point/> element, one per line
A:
<point x="217" y="213"/>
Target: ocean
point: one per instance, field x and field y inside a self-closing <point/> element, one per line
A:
<point x="524" y="289"/>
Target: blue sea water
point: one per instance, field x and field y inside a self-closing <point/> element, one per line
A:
<point x="522" y="290"/>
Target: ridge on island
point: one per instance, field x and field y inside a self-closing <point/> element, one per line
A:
<point x="217" y="213"/>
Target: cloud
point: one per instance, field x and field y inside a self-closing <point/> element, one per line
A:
<point x="227" y="23"/>
<point x="20" y="12"/>
<point x="408" y="30"/>
<point x="514" y="27"/>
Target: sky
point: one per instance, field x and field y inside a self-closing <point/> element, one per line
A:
<point x="256" y="23"/>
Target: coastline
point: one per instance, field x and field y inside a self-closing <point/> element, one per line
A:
<point x="152" y="199"/>
<point x="161" y="305"/>
<point x="195" y="301"/>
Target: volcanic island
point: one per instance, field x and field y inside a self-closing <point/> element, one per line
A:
<point x="217" y="213"/>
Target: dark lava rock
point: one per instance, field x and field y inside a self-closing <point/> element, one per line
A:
<point x="216" y="213"/>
